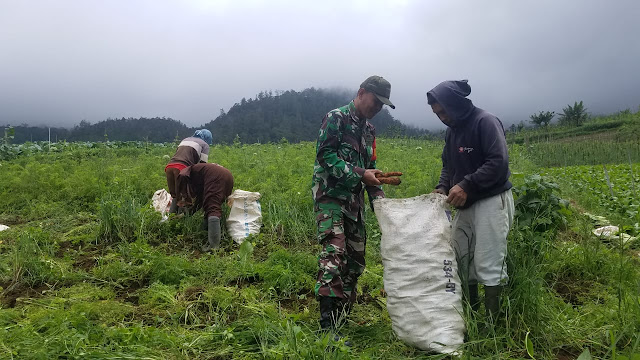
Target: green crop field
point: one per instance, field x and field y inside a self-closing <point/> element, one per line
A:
<point x="87" y="271"/>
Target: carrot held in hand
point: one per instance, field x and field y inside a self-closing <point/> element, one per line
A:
<point x="388" y="174"/>
<point x="389" y="178"/>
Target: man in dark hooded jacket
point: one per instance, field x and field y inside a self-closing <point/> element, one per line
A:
<point x="475" y="178"/>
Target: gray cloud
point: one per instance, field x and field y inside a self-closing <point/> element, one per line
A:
<point x="64" y="61"/>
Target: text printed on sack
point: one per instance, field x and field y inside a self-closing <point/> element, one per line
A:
<point x="448" y="274"/>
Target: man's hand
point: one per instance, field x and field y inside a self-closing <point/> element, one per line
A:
<point x="369" y="177"/>
<point x="457" y="196"/>
<point x="439" y="191"/>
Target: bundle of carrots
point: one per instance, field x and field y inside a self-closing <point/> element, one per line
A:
<point x="389" y="178"/>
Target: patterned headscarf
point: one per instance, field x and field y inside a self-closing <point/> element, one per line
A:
<point x="205" y="135"/>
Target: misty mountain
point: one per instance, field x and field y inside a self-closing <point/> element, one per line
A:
<point x="295" y="116"/>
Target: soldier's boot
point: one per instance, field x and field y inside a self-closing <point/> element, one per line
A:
<point x="345" y="310"/>
<point x="492" y="303"/>
<point x="213" y="238"/>
<point x="174" y="206"/>
<point x="330" y="314"/>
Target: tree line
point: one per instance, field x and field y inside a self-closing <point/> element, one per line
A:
<point x="269" y="117"/>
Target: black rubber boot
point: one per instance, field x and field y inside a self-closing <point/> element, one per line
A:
<point x="331" y="314"/>
<point x="173" y="208"/>
<point x="213" y="238"/>
<point x="328" y="313"/>
<point x="492" y="302"/>
<point x="474" y="299"/>
<point x="344" y="310"/>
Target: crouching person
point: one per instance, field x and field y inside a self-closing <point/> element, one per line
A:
<point x="206" y="186"/>
<point x="191" y="151"/>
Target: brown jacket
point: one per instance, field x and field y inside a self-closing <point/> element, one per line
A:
<point x="205" y="185"/>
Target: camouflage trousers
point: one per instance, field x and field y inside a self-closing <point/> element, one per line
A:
<point x="342" y="259"/>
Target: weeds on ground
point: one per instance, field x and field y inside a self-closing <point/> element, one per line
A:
<point x="90" y="272"/>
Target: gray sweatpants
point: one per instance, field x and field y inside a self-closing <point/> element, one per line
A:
<point x="480" y="239"/>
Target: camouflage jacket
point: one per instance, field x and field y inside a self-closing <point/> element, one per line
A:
<point x="346" y="147"/>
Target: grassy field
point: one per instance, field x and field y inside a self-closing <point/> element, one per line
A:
<point x="88" y="272"/>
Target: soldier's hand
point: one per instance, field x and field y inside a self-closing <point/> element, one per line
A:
<point x="369" y="177"/>
<point x="457" y="197"/>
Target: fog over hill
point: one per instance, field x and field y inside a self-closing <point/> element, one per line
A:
<point x="291" y="115"/>
<point x="67" y="61"/>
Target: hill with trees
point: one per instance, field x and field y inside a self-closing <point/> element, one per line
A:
<point x="291" y="115"/>
<point x="124" y="129"/>
<point x="295" y="116"/>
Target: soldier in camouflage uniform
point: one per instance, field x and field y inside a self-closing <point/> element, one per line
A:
<point x="345" y="166"/>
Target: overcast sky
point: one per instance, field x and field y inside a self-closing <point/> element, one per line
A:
<point x="67" y="60"/>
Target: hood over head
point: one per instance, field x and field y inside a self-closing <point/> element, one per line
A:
<point x="452" y="96"/>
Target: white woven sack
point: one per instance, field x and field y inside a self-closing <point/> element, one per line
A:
<point x="245" y="217"/>
<point x="424" y="295"/>
<point x="161" y="202"/>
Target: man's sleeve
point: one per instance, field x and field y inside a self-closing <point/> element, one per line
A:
<point x="495" y="168"/>
<point x="329" y="138"/>
<point x="444" y="173"/>
<point x="374" y="191"/>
